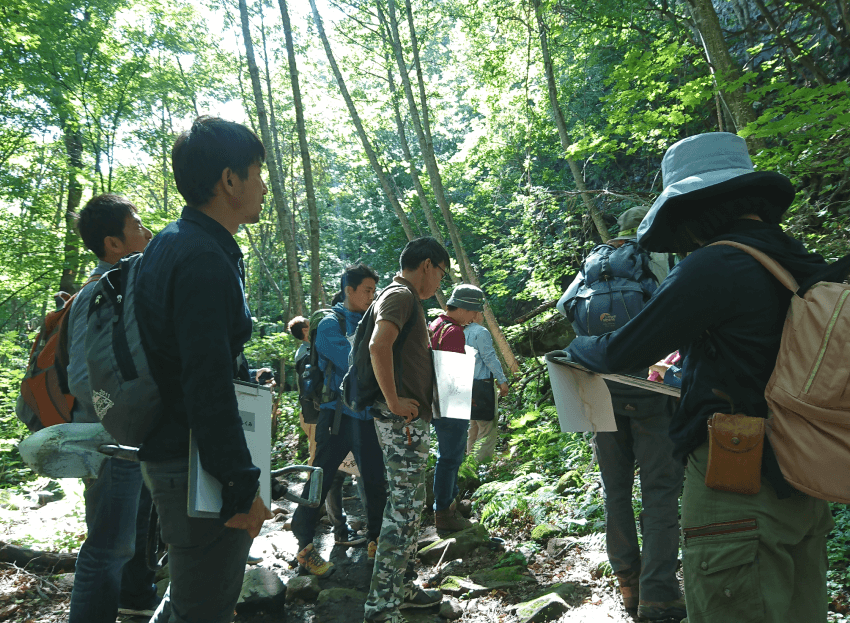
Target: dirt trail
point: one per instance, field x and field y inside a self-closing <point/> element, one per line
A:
<point x="43" y="598"/>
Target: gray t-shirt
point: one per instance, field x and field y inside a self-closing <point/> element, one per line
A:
<point x="78" y="374"/>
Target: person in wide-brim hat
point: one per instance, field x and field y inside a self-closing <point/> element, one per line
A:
<point x="699" y="174"/>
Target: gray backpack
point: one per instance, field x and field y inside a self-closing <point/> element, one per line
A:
<point x="125" y="395"/>
<point x="614" y="284"/>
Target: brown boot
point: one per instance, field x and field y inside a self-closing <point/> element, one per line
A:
<point x="448" y="520"/>
<point x="629" y="590"/>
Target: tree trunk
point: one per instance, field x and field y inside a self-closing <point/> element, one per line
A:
<point x="257" y="252"/>
<point x="402" y="137"/>
<point x="74" y="148"/>
<point x="721" y="62"/>
<point x="801" y="56"/>
<point x="355" y="119"/>
<point x="423" y="133"/>
<point x="296" y="291"/>
<point x="561" y="124"/>
<point x="315" y="273"/>
<point x="31" y="559"/>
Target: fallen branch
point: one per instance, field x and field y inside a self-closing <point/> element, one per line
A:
<point x="536" y="311"/>
<point x="35" y="559"/>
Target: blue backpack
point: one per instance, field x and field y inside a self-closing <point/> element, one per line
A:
<point x="613" y="286"/>
<point x="125" y="396"/>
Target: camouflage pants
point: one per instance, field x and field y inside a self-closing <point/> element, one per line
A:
<point x="405" y="448"/>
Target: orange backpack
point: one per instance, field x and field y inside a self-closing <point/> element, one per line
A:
<point x="808" y="394"/>
<point x="42" y="401"/>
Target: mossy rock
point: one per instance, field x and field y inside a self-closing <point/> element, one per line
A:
<point x="545" y="608"/>
<point x="501" y="577"/>
<point x="465" y="541"/>
<point x="456" y="586"/>
<point x="565" y="590"/>
<point x="341" y="595"/>
<point x="511" y="559"/>
<point x="571" y="480"/>
<point x="544" y="532"/>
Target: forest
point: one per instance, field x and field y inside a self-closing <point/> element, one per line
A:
<point x="513" y="131"/>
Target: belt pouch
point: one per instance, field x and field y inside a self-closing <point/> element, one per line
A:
<point x="735" y="447"/>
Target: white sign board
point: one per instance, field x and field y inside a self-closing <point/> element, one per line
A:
<point x="453" y="374"/>
<point x="255" y="409"/>
<point x="582" y="399"/>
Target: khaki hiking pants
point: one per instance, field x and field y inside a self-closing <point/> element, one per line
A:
<point x="752" y="558"/>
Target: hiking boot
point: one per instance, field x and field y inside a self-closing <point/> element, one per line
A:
<point x="312" y="562"/>
<point x="371" y="550"/>
<point x="348" y="537"/>
<point x="415" y="597"/>
<point x="662" y="610"/>
<point x="448" y="520"/>
<point x="629" y="589"/>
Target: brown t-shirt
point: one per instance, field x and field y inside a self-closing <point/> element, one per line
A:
<point x="417" y="377"/>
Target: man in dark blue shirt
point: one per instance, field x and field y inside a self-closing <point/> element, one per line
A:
<point x="194" y="323"/>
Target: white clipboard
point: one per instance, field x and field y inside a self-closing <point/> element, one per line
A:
<point x="255" y="409"/>
<point x="453" y="373"/>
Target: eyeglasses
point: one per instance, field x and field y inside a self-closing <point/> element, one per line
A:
<point x="445" y="272"/>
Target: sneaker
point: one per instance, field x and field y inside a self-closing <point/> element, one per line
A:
<point x="371" y="550"/>
<point x="448" y="520"/>
<point x="313" y="563"/>
<point x="253" y="560"/>
<point x="662" y="610"/>
<point x="415" y="597"/>
<point x="348" y="537"/>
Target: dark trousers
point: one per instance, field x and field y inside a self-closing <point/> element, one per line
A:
<point x="642" y="438"/>
<point x="358" y="437"/>
<point x="206" y="560"/>
<point x="111" y="562"/>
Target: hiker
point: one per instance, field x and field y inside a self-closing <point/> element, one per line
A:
<point x="111" y="572"/>
<point x="403" y="425"/>
<point x="299" y="327"/>
<point x="340" y="430"/>
<point x="756" y="557"/>
<point x="194" y="322"/>
<point x="447" y="334"/>
<point x="646" y="575"/>
<point x="483" y="432"/>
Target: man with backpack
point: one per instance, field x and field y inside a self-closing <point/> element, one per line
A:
<point x="111" y="571"/>
<point x="627" y="276"/>
<point x="755" y="552"/>
<point x="447" y="334"/>
<point x="396" y="335"/>
<point x="194" y="322"/>
<point x="299" y="327"/>
<point x="340" y="430"/>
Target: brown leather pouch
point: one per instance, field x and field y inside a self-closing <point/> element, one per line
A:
<point x="735" y="446"/>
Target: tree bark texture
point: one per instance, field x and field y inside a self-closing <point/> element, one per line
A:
<point x="315" y="273"/>
<point x="296" y="291"/>
<point x="37" y="560"/>
<point x="74" y="148"/>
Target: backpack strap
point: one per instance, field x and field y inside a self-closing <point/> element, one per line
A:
<point x="441" y="330"/>
<point x="774" y="267"/>
<point x="63" y="355"/>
